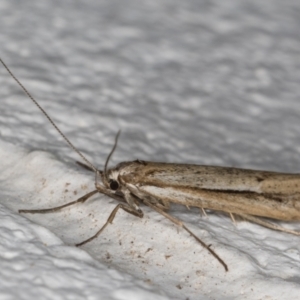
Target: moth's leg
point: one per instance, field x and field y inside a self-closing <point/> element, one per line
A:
<point x="203" y="212"/>
<point x="165" y="205"/>
<point x="132" y="201"/>
<point x="268" y="224"/>
<point x="181" y="224"/>
<point x="53" y="209"/>
<point x="101" y="189"/>
<point x="160" y="203"/>
<point x="232" y="218"/>
<point x="111" y="217"/>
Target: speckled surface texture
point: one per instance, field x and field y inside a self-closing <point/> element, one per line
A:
<point x="204" y="82"/>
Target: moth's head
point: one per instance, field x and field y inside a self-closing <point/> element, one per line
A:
<point x="112" y="177"/>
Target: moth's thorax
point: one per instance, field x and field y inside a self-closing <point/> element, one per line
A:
<point x="126" y="171"/>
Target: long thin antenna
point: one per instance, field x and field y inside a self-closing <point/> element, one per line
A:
<point x="109" y="156"/>
<point x="48" y="117"/>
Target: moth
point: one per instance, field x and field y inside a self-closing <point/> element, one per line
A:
<point x="250" y="194"/>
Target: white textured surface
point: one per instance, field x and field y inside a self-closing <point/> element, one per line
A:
<point x="207" y="82"/>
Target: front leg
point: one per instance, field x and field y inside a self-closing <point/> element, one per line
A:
<point x="143" y="195"/>
<point x="57" y="208"/>
<point x="111" y="217"/>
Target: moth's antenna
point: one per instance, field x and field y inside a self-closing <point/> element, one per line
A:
<point x="109" y="156"/>
<point x="48" y="117"/>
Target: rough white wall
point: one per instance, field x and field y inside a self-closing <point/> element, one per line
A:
<point x="206" y="82"/>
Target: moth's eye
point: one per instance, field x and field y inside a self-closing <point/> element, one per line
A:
<point x="114" y="185"/>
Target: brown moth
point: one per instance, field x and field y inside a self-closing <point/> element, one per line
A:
<point x="249" y="194"/>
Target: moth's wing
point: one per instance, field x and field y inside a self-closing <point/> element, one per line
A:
<point x="219" y="178"/>
<point x="279" y="207"/>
